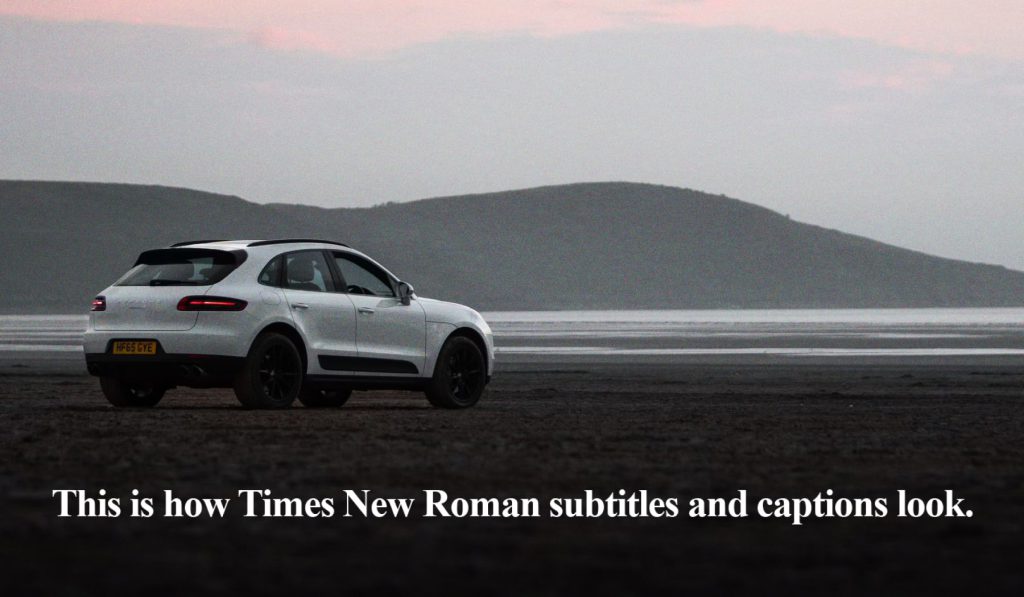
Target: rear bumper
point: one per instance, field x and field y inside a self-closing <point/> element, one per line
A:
<point x="193" y="370"/>
<point x="205" y="341"/>
<point x="204" y="357"/>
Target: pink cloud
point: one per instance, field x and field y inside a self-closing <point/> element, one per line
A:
<point x="986" y="27"/>
<point x="913" y="76"/>
<point x="275" y="38"/>
<point x="366" y="27"/>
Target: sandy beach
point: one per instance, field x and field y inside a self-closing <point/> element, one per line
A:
<point x="675" y="430"/>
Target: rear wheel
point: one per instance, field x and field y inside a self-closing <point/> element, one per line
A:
<point x="272" y="374"/>
<point x="459" y="375"/>
<point x="123" y="393"/>
<point x="315" y="398"/>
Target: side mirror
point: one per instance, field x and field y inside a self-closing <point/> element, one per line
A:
<point x="405" y="292"/>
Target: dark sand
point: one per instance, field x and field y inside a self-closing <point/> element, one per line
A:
<point x="676" y="430"/>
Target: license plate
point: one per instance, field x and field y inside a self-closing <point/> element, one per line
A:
<point x="135" y="347"/>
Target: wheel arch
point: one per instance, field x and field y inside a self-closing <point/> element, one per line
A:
<point x="476" y="337"/>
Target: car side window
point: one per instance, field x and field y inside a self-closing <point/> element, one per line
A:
<point x="306" y="270"/>
<point x="362" y="277"/>
<point x="271" y="274"/>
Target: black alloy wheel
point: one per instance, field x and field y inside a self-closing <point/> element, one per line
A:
<point x="272" y="374"/>
<point x="279" y="373"/>
<point x="459" y="376"/>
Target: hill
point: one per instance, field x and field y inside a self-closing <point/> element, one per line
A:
<point x="580" y="246"/>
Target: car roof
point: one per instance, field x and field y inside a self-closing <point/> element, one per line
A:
<point x="243" y="244"/>
<point x="266" y="248"/>
<point x="271" y="247"/>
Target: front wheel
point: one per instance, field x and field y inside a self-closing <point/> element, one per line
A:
<point x="272" y="374"/>
<point x="124" y="393"/>
<point x="459" y="375"/>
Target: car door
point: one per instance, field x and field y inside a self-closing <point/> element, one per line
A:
<point x="326" y="318"/>
<point x="390" y="336"/>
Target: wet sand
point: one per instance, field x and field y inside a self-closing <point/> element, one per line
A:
<point x="681" y="430"/>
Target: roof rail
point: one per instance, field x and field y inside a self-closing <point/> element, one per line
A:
<point x="198" y="242"/>
<point x="282" y="241"/>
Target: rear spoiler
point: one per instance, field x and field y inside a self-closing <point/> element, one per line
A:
<point x="157" y="256"/>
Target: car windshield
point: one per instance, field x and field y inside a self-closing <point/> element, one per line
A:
<point x="181" y="267"/>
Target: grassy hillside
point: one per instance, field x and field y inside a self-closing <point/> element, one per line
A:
<point x="600" y="245"/>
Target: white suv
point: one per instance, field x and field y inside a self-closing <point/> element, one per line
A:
<point x="279" y="320"/>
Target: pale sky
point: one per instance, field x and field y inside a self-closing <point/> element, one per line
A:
<point x="360" y="27"/>
<point x="898" y="120"/>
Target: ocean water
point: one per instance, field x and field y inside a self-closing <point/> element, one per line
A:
<point x="42" y="333"/>
<point x="790" y="332"/>
<point x="784" y="332"/>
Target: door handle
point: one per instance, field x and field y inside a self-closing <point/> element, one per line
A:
<point x="366" y="310"/>
<point x="300" y="306"/>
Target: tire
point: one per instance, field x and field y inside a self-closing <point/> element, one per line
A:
<point x="272" y="374"/>
<point x="316" y="398"/>
<point x="139" y="394"/>
<point x="459" y="375"/>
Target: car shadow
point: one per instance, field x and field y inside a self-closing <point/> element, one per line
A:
<point x="223" y="407"/>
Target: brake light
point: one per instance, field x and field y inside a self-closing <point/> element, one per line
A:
<point x="210" y="303"/>
<point x="99" y="304"/>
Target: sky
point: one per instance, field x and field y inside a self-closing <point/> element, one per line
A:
<point x="897" y="120"/>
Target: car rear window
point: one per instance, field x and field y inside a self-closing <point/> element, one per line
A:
<point x="182" y="267"/>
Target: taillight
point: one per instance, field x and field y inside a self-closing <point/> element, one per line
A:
<point x="99" y="304"/>
<point x="210" y="303"/>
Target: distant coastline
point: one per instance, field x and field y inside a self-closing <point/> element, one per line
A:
<point x="578" y="246"/>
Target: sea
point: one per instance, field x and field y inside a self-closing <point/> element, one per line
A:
<point x="659" y="335"/>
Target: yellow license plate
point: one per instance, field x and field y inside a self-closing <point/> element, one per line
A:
<point x="134" y="347"/>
